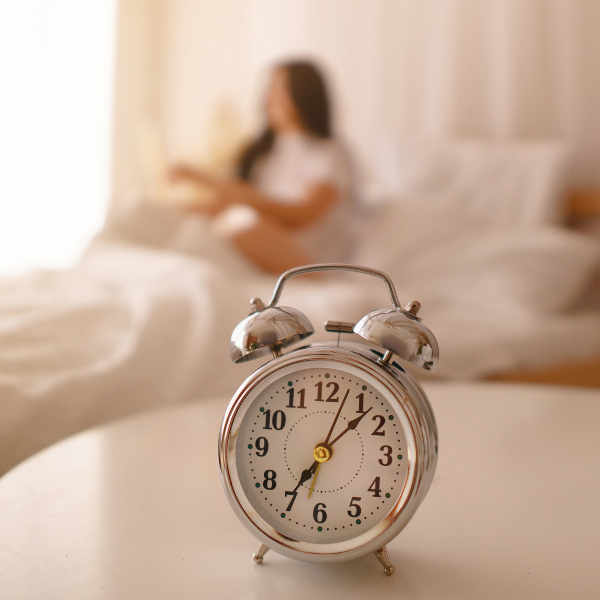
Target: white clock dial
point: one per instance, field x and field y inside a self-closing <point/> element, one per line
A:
<point x="363" y="449"/>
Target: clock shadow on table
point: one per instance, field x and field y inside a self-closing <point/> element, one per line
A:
<point x="415" y="577"/>
<point x="337" y="580"/>
<point x="279" y="575"/>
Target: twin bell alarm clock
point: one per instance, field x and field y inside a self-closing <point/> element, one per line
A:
<point x="327" y="450"/>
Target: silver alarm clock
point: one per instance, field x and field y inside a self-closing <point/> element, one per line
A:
<point x="327" y="451"/>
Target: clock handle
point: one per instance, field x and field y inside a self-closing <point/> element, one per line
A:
<point x="334" y="267"/>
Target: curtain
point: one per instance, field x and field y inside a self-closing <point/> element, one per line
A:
<point x="492" y="69"/>
<point x="56" y="67"/>
<point x="501" y="69"/>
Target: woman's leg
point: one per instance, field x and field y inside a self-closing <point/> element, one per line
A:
<point x="265" y="242"/>
<point x="271" y="247"/>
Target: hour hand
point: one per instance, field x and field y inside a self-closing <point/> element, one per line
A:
<point x="307" y="474"/>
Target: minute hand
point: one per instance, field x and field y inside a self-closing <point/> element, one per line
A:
<point x="351" y="425"/>
<point x="337" y="416"/>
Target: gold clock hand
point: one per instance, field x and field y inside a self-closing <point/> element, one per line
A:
<point x="312" y="487"/>
<point x="322" y="453"/>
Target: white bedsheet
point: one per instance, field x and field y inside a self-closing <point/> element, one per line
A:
<point x="145" y="319"/>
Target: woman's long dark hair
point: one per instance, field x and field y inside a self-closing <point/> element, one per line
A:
<point x="309" y="95"/>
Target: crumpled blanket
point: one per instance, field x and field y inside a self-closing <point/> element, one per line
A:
<point x="144" y="319"/>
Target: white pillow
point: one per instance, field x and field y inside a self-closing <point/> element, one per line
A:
<point x="500" y="183"/>
<point x="443" y="260"/>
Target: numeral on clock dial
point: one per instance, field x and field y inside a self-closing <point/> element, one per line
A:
<point x="278" y="420"/>
<point x="361" y="401"/>
<point x="353" y="504"/>
<point x="293" y="495"/>
<point x="378" y="430"/>
<point x="375" y="488"/>
<point x="332" y="396"/>
<point x="262" y="446"/>
<point x="269" y="482"/>
<point x="387" y="453"/>
<point x="319" y="514"/>
<point x="301" y="394"/>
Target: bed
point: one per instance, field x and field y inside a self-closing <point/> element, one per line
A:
<point x="144" y="319"/>
<point x="582" y="213"/>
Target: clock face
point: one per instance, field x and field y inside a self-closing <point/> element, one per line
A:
<point x="321" y="452"/>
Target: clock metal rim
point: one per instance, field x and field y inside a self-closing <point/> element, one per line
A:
<point x="421" y="435"/>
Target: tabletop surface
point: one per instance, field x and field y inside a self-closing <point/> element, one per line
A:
<point x="135" y="509"/>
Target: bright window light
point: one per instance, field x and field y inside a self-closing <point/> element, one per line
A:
<point x="56" y="89"/>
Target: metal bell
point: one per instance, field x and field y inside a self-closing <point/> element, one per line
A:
<point x="401" y="332"/>
<point x="266" y="330"/>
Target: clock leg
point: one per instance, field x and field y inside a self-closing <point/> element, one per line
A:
<point x="258" y="556"/>
<point x="384" y="559"/>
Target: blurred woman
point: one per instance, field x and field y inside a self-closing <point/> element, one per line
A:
<point x="290" y="203"/>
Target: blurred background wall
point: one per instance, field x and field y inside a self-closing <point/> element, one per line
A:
<point x="56" y="106"/>
<point x="493" y="69"/>
<point x="497" y="69"/>
<point x="88" y="88"/>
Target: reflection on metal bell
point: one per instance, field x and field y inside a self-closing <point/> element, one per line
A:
<point x="267" y="330"/>
<point x="401" y="332"/>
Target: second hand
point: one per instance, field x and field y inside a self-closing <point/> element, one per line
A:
<point x="312" y="487"/>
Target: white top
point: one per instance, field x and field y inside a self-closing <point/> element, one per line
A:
<point x="298" y="162"/>
<point x="135" y="509"/>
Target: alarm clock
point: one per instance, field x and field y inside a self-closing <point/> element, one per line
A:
<point x="327" y="450"/>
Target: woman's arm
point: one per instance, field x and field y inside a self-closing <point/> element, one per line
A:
<point x="319" y="199"/>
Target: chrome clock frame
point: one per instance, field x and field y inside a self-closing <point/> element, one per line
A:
<point x="420" y="429"/>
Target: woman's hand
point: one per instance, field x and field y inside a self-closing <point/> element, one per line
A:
<point x="183" y="172"/>
<point x="180" y="173"/>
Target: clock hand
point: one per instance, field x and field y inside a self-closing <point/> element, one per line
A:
<point x="336" y="417"/>
<point x="307" y="474"/>
<point x="312" y="487"/>
<point x="351" y="425"/>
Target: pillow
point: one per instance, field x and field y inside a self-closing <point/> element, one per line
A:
<point x="500" y="183"/>
<point x="144" y="223"/>
<point x="445" y="261"/>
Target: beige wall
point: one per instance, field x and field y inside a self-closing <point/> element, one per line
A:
<point x="139" y="85"/>
<point x="500" y="69"/>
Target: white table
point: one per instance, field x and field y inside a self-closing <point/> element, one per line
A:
<point x="136" y="510"/>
